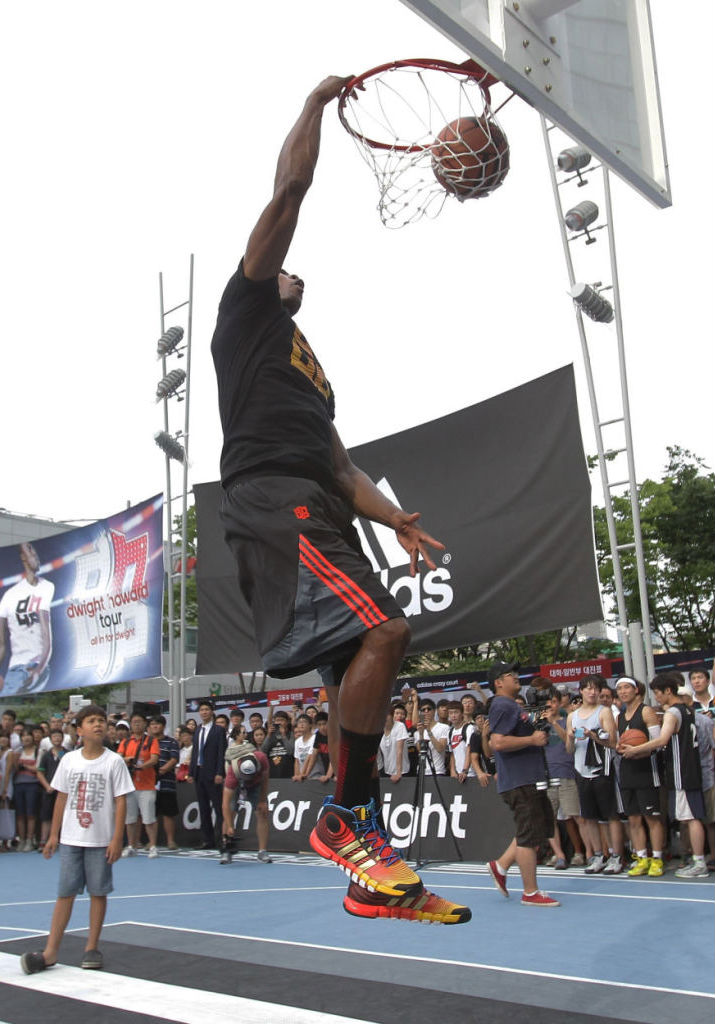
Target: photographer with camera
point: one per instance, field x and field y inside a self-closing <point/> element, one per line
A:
<point x="141" y="756"/>
<point x="518" y="748"/>
<point x="435" y="734"/>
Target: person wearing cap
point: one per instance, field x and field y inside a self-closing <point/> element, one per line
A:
<point x="247" y="773"/>
<point x="521" y="767"/>
<point x="640" y="780"/>
<point x="683" y="775"/>
<point x="591" y="736"/>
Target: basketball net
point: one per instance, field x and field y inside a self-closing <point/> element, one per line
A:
<point x="395" y="115"/>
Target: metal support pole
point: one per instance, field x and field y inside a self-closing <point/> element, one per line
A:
<point x="187" y="399"/>
<point x="640" y="668"/>
<point x="610" y="521"/>
<point x="647" y="641"/>
<point x="170" y="675"/>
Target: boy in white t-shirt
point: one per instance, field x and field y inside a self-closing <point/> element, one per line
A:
<point x="92" y="785"/>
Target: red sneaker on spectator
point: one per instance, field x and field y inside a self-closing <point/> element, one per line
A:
<point x="539" y="899"/>
<point x="499" y="878"/>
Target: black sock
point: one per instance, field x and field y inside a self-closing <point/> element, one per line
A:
<point x="356" y="763"/>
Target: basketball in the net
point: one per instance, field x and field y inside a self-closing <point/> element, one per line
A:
<point x="633" y="737"/>
<point x="470" y="157"/>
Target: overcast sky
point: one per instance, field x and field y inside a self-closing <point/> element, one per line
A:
<point x="137" y="133"/>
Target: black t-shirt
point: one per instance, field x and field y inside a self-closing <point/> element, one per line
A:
<point x="279" y="751"/>
<point x="320" y="743"/>
<point x="487" y="764"/>
<point x="275" y="402"/>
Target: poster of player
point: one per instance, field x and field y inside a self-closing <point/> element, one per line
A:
<point x="83" y="607"/>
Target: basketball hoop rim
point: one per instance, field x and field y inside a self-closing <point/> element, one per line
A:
<point x="469" y="68"/>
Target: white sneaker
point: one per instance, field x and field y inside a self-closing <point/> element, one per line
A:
<point x="595" y="864"/>
<point x="693" y="870"/>
<point x="613" y="866"/>
<point x="153" y="852"/>
<point x="129" y="851"/>
<point x="264" y="855"/>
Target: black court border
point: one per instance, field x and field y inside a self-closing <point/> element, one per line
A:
<point x="377" y="1002"/>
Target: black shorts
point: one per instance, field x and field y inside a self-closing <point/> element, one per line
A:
<point x="47" y="805"/>
<point x="598" y="798"/>
<point x="311" y="590"/>
<point x="166" y="803"/>
<point x="644" y="801"/>
<point x="533" y="814"/>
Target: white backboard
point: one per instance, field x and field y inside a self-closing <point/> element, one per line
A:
<point x="588" y="65"/>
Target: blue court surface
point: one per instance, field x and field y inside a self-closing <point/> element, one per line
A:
<point x="187" y="938"/>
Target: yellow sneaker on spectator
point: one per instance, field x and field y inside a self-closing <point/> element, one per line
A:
<point x="642" y="867"/>
<point x="656" y="868"/>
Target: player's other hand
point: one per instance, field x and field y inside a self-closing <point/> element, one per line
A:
<point x="415" y="540"/>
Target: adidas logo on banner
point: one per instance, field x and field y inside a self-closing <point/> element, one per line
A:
<point x="427" y="591"/>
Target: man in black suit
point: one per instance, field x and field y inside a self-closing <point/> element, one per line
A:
<point x="207" y="771"/>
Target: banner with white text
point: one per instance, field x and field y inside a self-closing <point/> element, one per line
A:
<point x="503" y="484"/>
<point x="83" y="607"/>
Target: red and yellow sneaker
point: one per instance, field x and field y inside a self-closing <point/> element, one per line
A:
<point x="425" y="906"/>
<point x="356" y="841"/>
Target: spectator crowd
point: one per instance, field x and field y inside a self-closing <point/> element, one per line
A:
<point x="592" y="766"/>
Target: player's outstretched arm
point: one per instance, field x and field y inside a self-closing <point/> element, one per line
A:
<point x="272" y="235"/>
<point x="368" y="500"/>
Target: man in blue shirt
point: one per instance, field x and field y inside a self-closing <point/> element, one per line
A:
<point x="519" y="752"/>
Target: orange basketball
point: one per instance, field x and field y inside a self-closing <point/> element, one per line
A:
<point x="470" y="157"/>
<point x="633" y="737"/>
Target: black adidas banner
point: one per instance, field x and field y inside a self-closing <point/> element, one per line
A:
<point x="503" y="484"/>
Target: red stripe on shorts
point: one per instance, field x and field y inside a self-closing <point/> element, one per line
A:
<point x="341" y="584"/>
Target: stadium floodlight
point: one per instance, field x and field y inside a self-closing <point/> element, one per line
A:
<point x="168" y="386"/>
<point x="591" y="302"/>
<point x="579" y="217"/>
<point x="573" y="159"/>
<point x="169" y="340"/>
<point x="170" y="446"/>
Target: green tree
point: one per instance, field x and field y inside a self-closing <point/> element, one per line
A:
<point x="43" y="705"/>
<point x="535" y="649"/>
<point x="678" y="526"/>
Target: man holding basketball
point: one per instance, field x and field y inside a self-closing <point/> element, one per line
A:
<point x="290" y="495"/>
<point x="639" y="779"/>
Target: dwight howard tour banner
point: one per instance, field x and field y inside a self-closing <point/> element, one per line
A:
<point x="83" y="607"/>
<point x="504" y="486"/>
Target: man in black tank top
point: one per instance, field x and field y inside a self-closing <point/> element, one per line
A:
<point x="683" y="777"/>
<point x="640" y="781"/>
<point x="291" y="493"/>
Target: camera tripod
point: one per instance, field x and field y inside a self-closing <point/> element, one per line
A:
<point x="425" y="758"/>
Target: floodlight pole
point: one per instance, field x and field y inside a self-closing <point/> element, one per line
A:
<point x="167" y="545"/>
<point x="177" y="680"/>
<point x="632" y="484"/>
<point x="635" y="639"/>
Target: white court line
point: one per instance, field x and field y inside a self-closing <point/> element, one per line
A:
<point x="429" y="960"/>
<point x="115" y="897"/>
<point x="198" y="892"/>
<point x="156" y="999"/>
<point x="598" y="895"/>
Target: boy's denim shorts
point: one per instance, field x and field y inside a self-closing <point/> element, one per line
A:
<point x="82" y="866"/>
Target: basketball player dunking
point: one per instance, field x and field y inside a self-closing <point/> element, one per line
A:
<point x="290" y="495"/>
